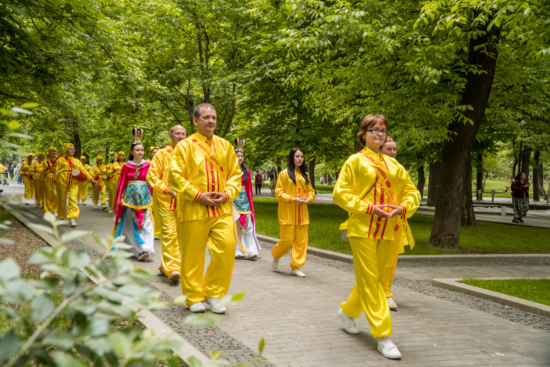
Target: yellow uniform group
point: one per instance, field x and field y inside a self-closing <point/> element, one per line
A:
<point x="100" y="174"/>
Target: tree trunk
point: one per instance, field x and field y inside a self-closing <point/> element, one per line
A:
<point x="526" y="162"/>
<point x="468" y="215"/>
<point x="455" y="159"/>
<point x="433" y="184"/>
<point x="536" y="173"/>
<point x="541" y="182"/>
<point x="312" y="171"/>
<point x="479" y="177"/>
<point x="421" y="180"/>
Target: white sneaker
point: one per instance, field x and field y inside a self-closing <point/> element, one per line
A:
<point x="83" y="203"/>
<point x="275" y="263"/>
<point x="73" y="222"/>
<point x="297" y="273"/>
<point x="103" y="207"/>
<point x="197" y="307"/>
<point x="110" y="211"/>
<point x="142" y="256"/>
<point x="392" y="304"/>
<point x="175" y="276"/>
<point x="250" y="256"/>
<point x="56" y="215"/>
<point x="349" y="323"/>
<point x="215" y="305"/>
<point x="388" y="349"/>
<point x="96" y="206"/>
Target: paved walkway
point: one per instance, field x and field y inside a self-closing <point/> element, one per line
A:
<point x="297" y="317"/>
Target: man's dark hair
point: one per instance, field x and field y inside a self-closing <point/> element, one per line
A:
<point x="197" y="112"/>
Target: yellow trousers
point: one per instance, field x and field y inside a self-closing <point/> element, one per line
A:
<point x="50" y="197"/>
<point x="156" y="218"/>
<point x="369" y="260"/>
<point x="112" y="196"/>
<point x="170" y="246"/>
<point x="38" y="191"/>
<point x="64" y="193"/>
<point x="296" y="237"/>
<point x="97" y="193"/>
<point x="83" y="191"/>
<point x="29" y="187"/>
<point x="386" y="277"/>
<point x="193" y="235"/>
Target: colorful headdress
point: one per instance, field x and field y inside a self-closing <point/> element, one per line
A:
<point x="138" y="134"/>
<point x="30" y="155"/>
<point x="121" y="153"/>
<point x="52" y="148"/>
<point x="240" y="145"/>
<point x="153" y="148"/>
<point x="67" y="145"/>
<point x="99" y="158"/>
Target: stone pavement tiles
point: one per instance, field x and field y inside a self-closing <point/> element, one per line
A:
<point x="297" y="317"/>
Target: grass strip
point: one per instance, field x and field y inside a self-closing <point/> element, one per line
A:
<point x="535" y="290"/>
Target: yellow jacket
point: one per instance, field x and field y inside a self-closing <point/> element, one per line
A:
<point x="157" y="177"/>
<point x="97" y="173"/>
<point x="289" y="211"/>
<point x="2" y="168"/>
<point x="37" y="169"/>
<point x="25" y="170"/>
<point x="201" y="166"/>
<point x="65" y="166"/>
<point x="49" y="171"/>
<point x="368" y="179"/>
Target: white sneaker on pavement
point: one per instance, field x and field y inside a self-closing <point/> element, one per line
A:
<point x="349" y="323"/>
<point x="175" y="276"/>
<point x="142" y="256"/>
<point x="197" y="307"/>
<point x="56" y="215"/>
<point x="215" y="305"/>
<point x="388" y="349"/>
<point x="250" y="256"/>
<point x="297" y="273"/>
<point x="73" y="222"/>
<point x="392" y="304"/>
<point x="96" y="206"/>
<point x="110" y="211"/>
<point x="275" y="263"/>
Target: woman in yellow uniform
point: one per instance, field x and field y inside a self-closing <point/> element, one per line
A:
<point x="121" y="158"/>
<point x="50" y="191"/>
<point x="295" y="192"/>
<point x="25" y="171"/>
<point x="67" y="186"/>
<point x="113" y="174"/>
<point x="156" y="216"/>
<point x="83" y="186"/>
<point x="378" y="194"/>
<point x="99" y="173"/>
<point x="37" y="170"/>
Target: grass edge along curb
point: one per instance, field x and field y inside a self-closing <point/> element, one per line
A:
<point x="146" y="318"/>
<point x="454" y="284"/>
<point x="412" y="258"/>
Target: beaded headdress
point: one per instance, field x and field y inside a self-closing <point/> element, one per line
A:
<point x="240" y="145"/>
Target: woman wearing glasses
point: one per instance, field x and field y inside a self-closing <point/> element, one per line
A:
<point x="367" y="188"/>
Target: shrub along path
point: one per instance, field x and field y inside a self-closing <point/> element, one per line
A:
<point x="297" y="317"/>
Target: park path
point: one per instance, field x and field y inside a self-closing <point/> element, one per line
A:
<point x="297" y="317"/>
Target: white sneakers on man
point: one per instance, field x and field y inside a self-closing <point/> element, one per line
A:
<point x="297" y="273"/>
<point x="143" y="255"/>
<point x="215" y="305"/>
<point x="73" y="222"/>
<point x="275" y="263"/>
<point x="96" y="206"/>
<point x="388" y="349"/>
<point x="349" y="323"/>
<point x="392" y="304"/>
<point x="110" y="211"/>
<point x="197" y="307"/>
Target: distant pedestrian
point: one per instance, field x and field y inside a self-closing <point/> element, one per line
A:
<point x="258" y="178"/>
<point x="273" y="175"/>
<point x="520" y="197"/>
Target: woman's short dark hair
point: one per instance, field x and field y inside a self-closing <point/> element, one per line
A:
<point x="291" y="167"/>
<point x="367" y="123"/>
<point x="518" y="177"/>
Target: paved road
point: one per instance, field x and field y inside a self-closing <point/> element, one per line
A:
<point x="297" y="317"/>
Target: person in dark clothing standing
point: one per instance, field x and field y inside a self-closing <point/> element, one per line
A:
<point x="520" y="198"/>
<point x="258" y="180"/>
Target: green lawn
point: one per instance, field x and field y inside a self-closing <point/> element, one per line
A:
<point x="486" y="238"/>
<point x="535" y="290"/>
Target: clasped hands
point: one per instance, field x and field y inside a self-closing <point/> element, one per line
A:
<point x="379" y="210"/>
<point x="302" y="200"/>
<point x="212" y="198"/>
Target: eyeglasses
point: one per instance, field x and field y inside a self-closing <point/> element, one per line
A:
<point x="376" y="132"/>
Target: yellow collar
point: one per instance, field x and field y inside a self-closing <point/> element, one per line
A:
<point x="204" y="138"/>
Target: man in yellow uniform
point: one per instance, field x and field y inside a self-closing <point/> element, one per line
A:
<point x="157" y="177"/>
<point x="37" y="170"/>
<point x="206" y="175"/>
<point x="3" y="174"/>
<point x="50" y="191"/>
<point x="99" y="173"/>
<point x="83" y="186"/>
<point x="25" y="171"/>
<point x="113" y="173"/>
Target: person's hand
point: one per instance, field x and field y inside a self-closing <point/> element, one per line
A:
<point x="298" y="200"/>
<point x="94" y="182"/>
<point x="306" y="201"/>
<point x="379" y="210"/>
<point x="207" y="200"/>
<point x="173" y="194"/>
<point x="220" y="199"/>
<point x="396" y="211"/>
<point x="528" y="185"/>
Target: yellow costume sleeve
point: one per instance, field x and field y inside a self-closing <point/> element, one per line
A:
<point x="233" y="177"/>
<point x="281" y="188"/>
<point x="344" y="194"/>
<point x="310" y="191"/>
<point x="409" y="193"/>
<point x="154" y="175"/>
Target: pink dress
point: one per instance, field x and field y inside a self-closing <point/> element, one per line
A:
<point x="246" y="242"/>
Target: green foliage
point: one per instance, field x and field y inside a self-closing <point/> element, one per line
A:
<point x="535" y="290"/>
